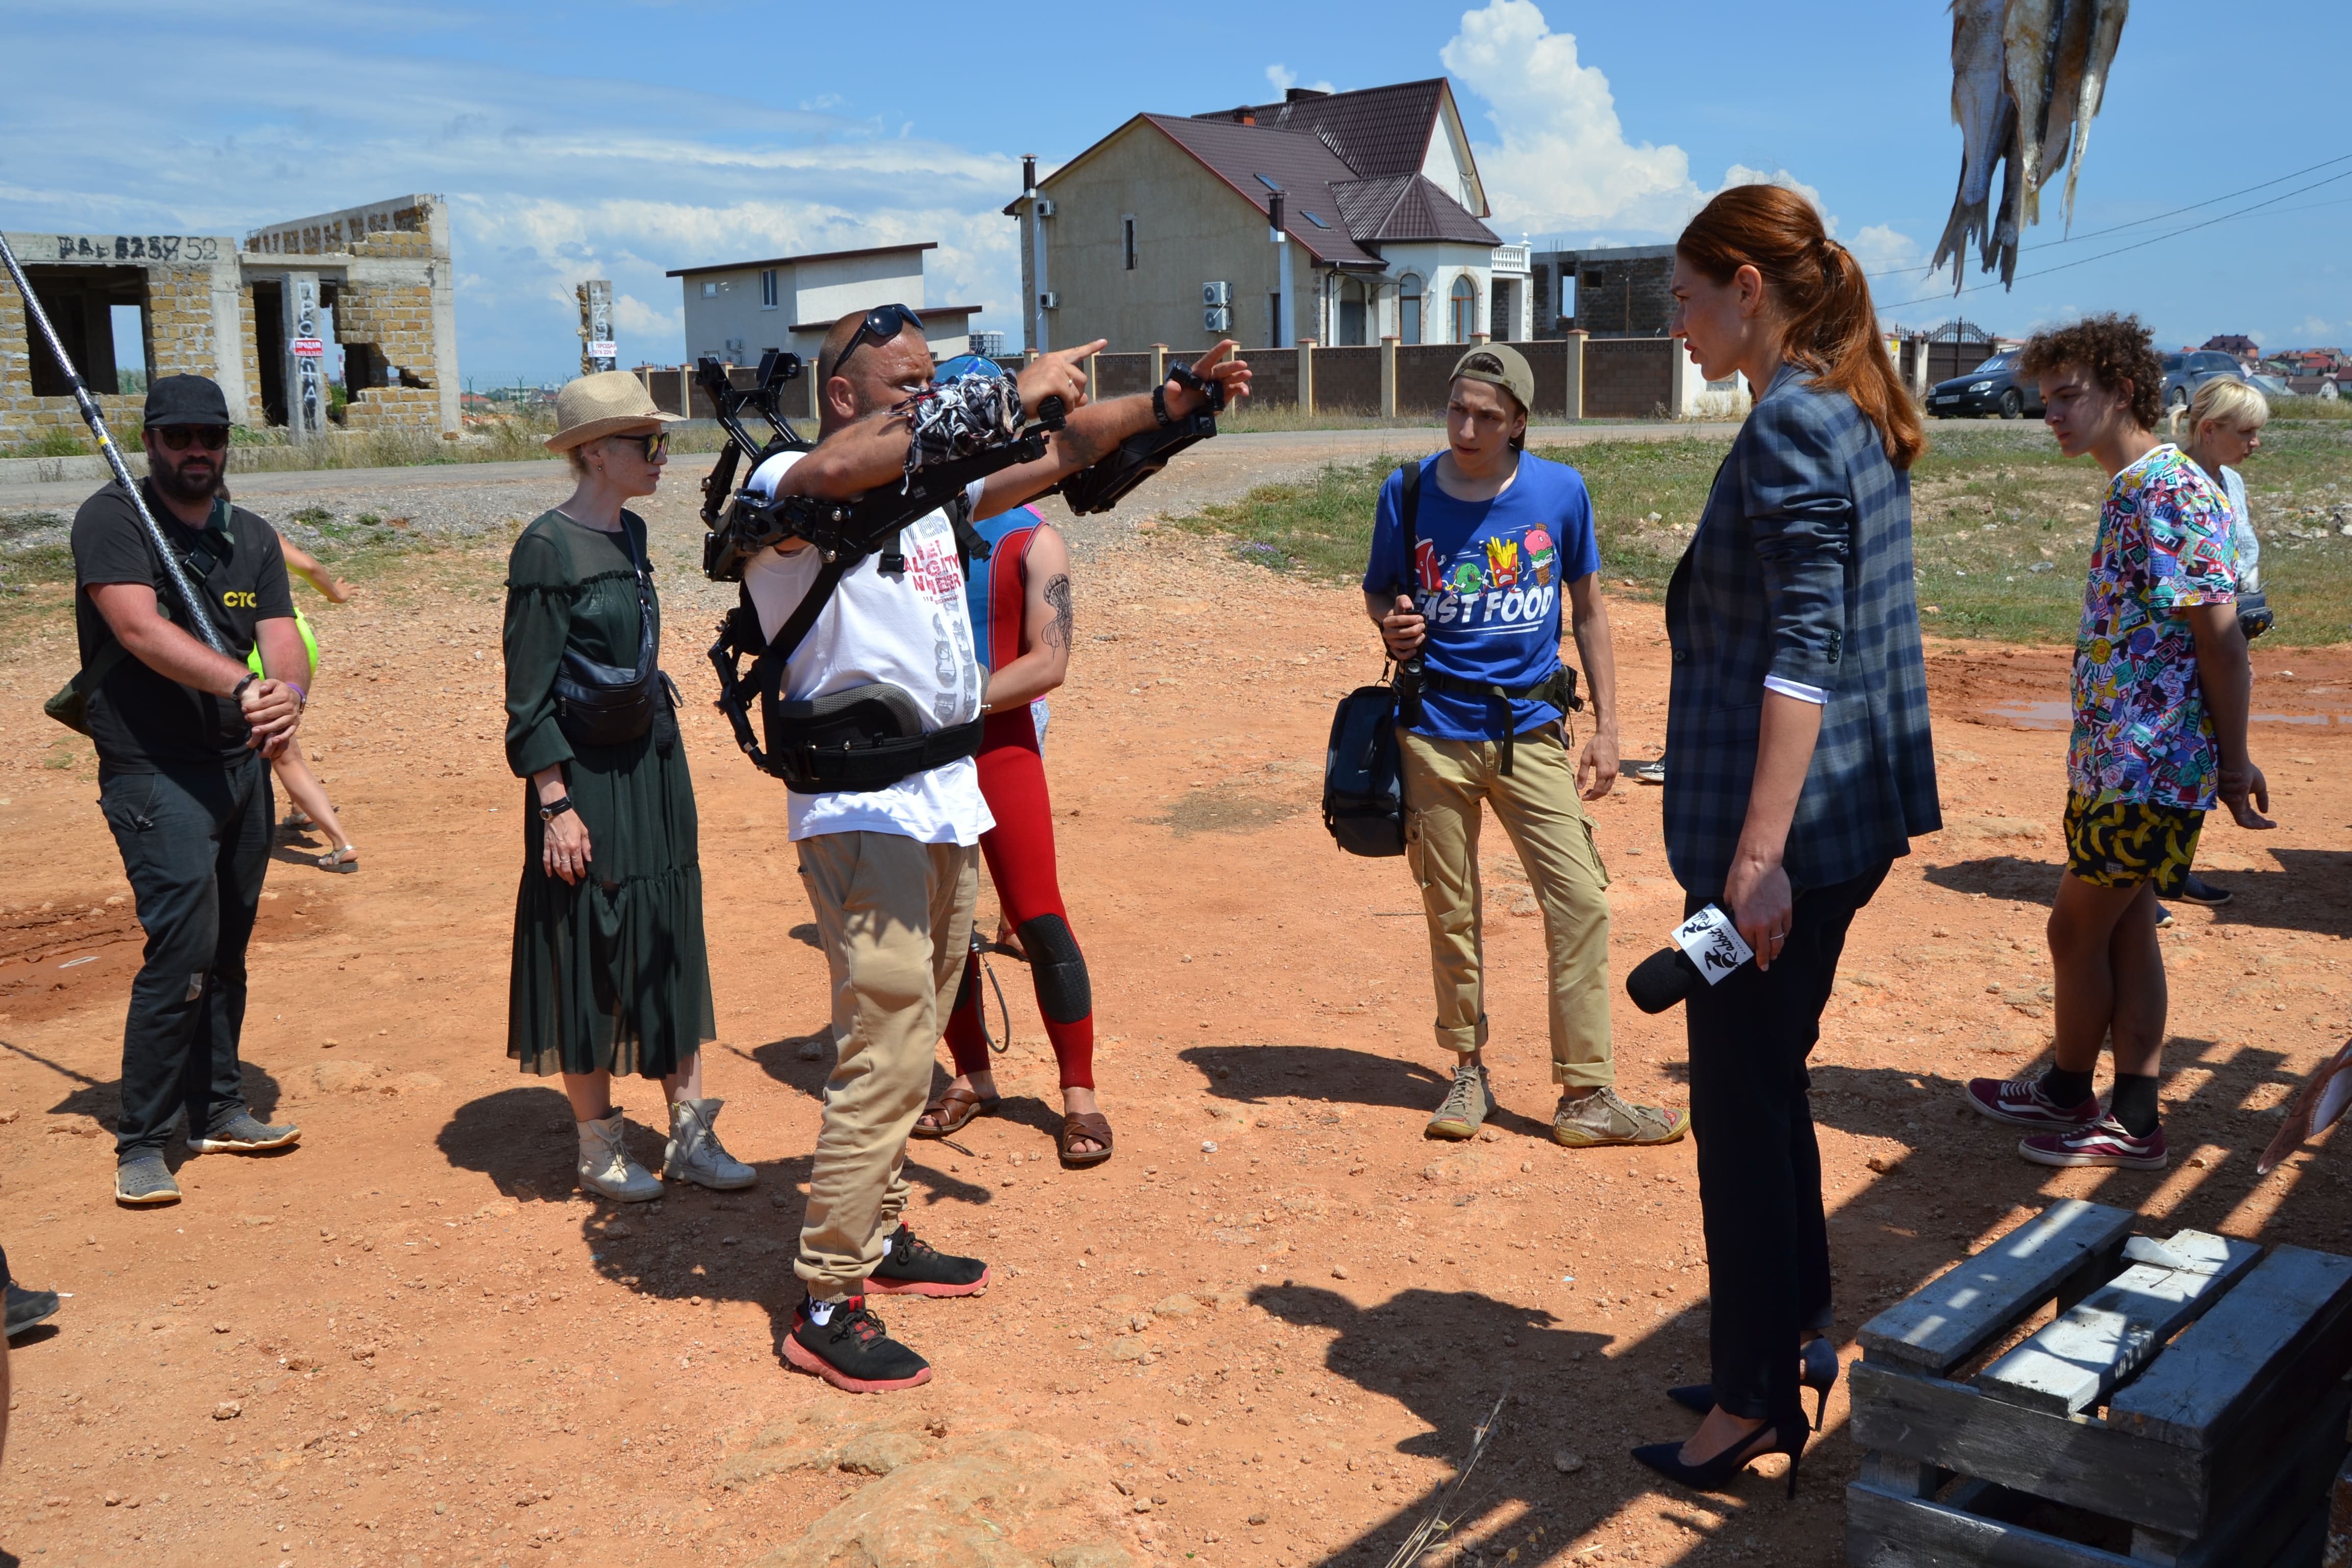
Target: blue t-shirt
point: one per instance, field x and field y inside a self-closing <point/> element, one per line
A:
<point x="1488" y="577"/>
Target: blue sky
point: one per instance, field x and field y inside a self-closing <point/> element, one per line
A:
<point x="604" y="138"/>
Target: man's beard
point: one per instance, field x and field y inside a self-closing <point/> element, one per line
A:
<point x="168" y="479"/>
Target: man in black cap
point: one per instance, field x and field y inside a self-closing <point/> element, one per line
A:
<point x="180" y="733"/>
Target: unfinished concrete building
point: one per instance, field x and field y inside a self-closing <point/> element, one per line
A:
<point x="253" y="316"/>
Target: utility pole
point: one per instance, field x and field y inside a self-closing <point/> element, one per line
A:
<point x="1280" y="236"/>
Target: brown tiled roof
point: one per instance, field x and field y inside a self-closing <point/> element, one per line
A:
<point x="1402" y="207"/>
<point x="1375" y="130"/>
<point x="1305" y="170"/>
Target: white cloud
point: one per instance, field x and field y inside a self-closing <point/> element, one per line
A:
<point x="1283" y="78"/>
<point x="1563" y="161"/>
<point x="2312" y="327"/>
<point x="1881" y="250"/>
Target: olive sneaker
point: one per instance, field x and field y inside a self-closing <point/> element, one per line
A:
<point x="912" y="1266"/>
<point x="1467" y="1104"/>
<point x="1601" y="1120"/>
<point x="846" y="1345"/>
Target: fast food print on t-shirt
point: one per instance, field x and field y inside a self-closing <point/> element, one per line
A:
<point x="1491" y="586"/>
<point x="1542" y="557"/>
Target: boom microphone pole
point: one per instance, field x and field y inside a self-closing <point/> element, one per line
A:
<point x="200" y="623"/>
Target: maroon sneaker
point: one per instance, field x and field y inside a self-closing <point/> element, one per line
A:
<point x="2103" y="1143"/>
<point x="2024" y="1103"/>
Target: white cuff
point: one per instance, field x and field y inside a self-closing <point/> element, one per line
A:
<point x="1798" y="689"/>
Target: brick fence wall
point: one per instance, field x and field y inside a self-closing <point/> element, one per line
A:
<point x="1628" y="378"/>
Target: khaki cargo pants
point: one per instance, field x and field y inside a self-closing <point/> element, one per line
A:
<point x="1445" y="781"/>
<point x="894" y="918"/>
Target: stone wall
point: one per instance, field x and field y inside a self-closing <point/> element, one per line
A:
<point x="1628" y="378"/>
<point x="26" y="418"/>
<point x="395" y="323"/>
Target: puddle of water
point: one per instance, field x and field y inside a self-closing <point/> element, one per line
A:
<point x="2024" y="715"/>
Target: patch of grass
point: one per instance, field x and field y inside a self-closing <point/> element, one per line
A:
<point x="2001" y="524"/>
<point x="62" y="442"/>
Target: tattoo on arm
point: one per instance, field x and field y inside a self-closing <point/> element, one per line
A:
<point x="1058" y="595"/>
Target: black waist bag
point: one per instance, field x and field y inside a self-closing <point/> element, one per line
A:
<point x="866" y="738"/>
<point x="1363" y="786"/>
<point x="599" y="704"/>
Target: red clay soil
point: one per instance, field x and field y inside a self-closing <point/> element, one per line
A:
<point x="1262" y="1334"/>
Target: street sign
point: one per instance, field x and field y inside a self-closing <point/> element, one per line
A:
<point x="604" y="350"/>
<point x="310" y="348"/>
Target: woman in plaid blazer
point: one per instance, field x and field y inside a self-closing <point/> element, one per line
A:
<point x="1798" y="722"/>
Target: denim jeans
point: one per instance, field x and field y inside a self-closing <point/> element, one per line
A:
<point x="195" y="844"/>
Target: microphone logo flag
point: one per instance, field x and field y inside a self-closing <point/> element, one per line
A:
<point x="1712" y="944"/>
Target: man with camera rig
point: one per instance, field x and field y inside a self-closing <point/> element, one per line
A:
<point x="891" y="865"/>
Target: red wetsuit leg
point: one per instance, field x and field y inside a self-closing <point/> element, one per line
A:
<point x="1020" y="855"/>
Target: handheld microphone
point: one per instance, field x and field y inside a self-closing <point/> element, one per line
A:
<point x="1705" y="948"/>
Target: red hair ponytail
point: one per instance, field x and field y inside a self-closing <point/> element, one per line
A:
<point x="1831" y="327"/>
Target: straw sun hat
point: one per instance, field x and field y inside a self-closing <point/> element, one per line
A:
<point x="609" y="403"/>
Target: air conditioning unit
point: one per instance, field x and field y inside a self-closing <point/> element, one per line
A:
<point x="1216" y="294"/>
<point x="1217" y="319"/>
<point x="1044" y="207"/>
<point x="1049" y="300"/>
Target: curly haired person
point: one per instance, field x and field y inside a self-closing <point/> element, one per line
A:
<point x="2160" y="691"/>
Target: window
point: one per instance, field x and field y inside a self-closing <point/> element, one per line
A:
<point x="1311" y="217"/>
<point x="711" y="290"/>
<point x="768" y="288"/>
<point x="1463" y="300"/>
<point x="1409" y="309"/>
<point x="1269" y="184"/>
<point x="1126" y="240"/>
<point x="1567" y="296"/>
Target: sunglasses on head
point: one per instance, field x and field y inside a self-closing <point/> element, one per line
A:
<point x="881" y="325"/>
<point x="179" y="437"/>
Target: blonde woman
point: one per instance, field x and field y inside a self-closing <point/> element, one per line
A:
<point x="611" y="976"/>
<point x="311" y="807"/>
<point x="2225" y="423"/>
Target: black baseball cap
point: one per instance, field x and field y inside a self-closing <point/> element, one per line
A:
<point x="186" y="400"/>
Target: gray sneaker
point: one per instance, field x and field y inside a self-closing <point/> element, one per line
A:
<point x="694" y="1153"/>
<point x="144" y="1179"/>
<point x="1467" y="1104"/>
<point x="1601" y="1119"/>
<point x="243" y="1133"/>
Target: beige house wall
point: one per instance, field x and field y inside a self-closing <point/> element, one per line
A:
<point x="1191" y="227"/>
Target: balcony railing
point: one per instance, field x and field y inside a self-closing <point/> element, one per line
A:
<point x="1510" y="259"/>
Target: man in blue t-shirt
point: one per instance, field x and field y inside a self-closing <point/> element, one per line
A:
<point x="1497" y="536"/>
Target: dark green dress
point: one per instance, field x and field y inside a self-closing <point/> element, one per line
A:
<point x="610" y="972"/>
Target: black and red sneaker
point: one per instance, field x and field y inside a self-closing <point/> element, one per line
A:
<point x="851" y="1349"/>
<point x="912" y="1266"/>
<point x="2026" y="1103"/>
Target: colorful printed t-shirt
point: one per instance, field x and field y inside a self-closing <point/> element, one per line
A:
<point x="2164" y="545"/>
<point x="1488" y="577"/>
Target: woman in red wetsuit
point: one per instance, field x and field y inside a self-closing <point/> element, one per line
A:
<point x="1021" y="619"/>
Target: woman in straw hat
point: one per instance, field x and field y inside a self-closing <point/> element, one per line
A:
<point x="610" y="974"/>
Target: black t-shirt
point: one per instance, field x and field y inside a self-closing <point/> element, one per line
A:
<point x="139" y="720"/>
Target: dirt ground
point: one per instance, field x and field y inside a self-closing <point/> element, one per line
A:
<point x="1262" y="1334"/>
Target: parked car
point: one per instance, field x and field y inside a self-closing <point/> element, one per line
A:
<point x="1991" y="388"/>
<point x="2184" y="374"/>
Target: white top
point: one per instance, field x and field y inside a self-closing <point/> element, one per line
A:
<point x="911" y="632"/>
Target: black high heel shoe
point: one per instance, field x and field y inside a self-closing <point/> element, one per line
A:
<point x="1821" y="1375"/>
<point x="1715" y="1474"/>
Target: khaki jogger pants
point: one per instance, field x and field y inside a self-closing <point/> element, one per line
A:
<point x="894" y="918"/>
<point x="1445" y="781"/>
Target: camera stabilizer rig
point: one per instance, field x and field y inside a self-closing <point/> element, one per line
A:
<point x="727" y="402"/>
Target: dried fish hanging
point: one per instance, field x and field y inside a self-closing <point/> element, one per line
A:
<point x="2027" y="78"/>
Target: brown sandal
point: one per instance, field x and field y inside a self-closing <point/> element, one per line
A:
<point x="955" y="1107"/>
<point x="1091" y="1125"/>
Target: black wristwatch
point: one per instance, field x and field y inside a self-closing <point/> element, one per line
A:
<point x="236" y="692"/>
<point x="555" y="808"/>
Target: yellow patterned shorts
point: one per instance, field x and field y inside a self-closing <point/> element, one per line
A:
<point x="2122" y="843"/>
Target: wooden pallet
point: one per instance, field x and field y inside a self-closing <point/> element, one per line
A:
<point x="2187" y="1405"/>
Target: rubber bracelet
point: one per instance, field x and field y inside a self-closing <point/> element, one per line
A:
<point x="301" y="698"/>
<point x="236" y="692"/>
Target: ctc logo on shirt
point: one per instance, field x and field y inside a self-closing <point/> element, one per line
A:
<point x="238" y="599"/>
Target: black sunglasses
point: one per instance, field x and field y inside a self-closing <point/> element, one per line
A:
<point x="881" y="325"/>
<point x="179" y="437"/>
<point x="657" y="444"/>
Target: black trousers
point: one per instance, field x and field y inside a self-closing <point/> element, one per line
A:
<point x="1759" y="1169"/>
<point x="195" y="844"/>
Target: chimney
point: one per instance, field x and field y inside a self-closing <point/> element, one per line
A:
<point x="1028" y="174"/>
<point x="1301" y="94"/>
<point x="1273" y="205"/>
<point x="1245" y="115"/>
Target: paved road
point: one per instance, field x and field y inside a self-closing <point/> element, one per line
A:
<point x="466" y="498"/>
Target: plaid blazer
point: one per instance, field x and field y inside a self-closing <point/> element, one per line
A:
<point x="1800" y="570"/>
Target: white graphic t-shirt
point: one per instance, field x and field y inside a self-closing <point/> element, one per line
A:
<point x="912" y="632"/>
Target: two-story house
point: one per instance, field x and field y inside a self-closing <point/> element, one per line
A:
<point x="1164" y="231"/>
<point x="736" y="310"/>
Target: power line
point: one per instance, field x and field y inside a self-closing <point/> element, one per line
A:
<point x="2141" y="245"/>
<point x="2159" y="217"/>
